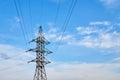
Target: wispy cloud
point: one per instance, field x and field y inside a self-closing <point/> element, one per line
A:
<point x="14" y="23"/>
<point x="84" y="71"/>
<point x="101" y="35"/>
<point x="110" y="3"/>
<point x="85" y="30"/>
<point x="17" y="19"/>
<point x="117" y="59"/>
<point x="56" y="35"/>
<point x="12" y="52"/>
<point x="100" y="23"/>
<point x="65" y="71"/>
<point x="51" y="24"/>
<point x="13" y="61"/>
<point x="102" y="40"/>
<point x="64" y="38"/>
<point x="18" y="68"/>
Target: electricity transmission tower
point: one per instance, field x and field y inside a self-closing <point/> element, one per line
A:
<point x="40" y="59"/>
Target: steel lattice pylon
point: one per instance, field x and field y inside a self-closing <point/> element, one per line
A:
<point x="40" y="60"/>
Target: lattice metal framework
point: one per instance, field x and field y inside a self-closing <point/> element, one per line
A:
<point x="40" y="59"/>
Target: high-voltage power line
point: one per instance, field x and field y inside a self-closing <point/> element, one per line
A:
<point x="40" y="59"/>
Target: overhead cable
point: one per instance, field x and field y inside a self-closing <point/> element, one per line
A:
<point x="21" y="25"/>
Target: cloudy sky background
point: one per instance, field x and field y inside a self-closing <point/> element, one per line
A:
<point x="89" y="48"/>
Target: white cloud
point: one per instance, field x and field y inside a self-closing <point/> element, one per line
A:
<point x="110" y="3"/>
<point x="10" y="50"/>
<point x="85" y="30"/>
<point x="66" y="71"/>
<point x="84" y="71"/>
<point x="94" y="27"/>
<point x="55" y="35"/>
<point x="64" y="38"/>
<point x="13" y="52"/>
<point x="100" y="37"/>
<point x="67" y="37"/>
<point x="100" y="23"/>
<point x="15" y="69"/>
<point x="117" y="59"/>
<point x="50" y="36"/>
<point x="9" y="53"/>
<point x="52" y="30"/>
<point x="103" y="40"/>
<point x="51" y="24"/>
<point x="104" y="36"/>
<point x="14" y="23"/>
<point x="17" y="19"/>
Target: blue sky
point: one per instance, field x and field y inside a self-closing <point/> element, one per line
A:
<point x="89" y="48"/>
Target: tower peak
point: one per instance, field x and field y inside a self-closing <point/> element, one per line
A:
<point x="40" y="29"/>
